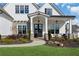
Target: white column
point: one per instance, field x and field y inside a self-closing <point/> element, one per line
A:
<point x="70" y="30"/>
<point x="70" y="25"/>
<point x="46" y="27"/>
<point x="31" y="29"/>
<point x="31" y="23"/>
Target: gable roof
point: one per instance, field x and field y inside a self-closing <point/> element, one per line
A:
<point x="2" y="5"/>
<point x="56" y="8"/>
<point x="52" y="5"/>
<point x="3" y="11"/>
<point x="40" y="4"/>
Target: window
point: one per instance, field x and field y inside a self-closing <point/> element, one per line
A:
<point x="17" y="9"/>
<point x="21" y="9"/>
<point x="54" y="28"/>
<point x="21" y="29"/>
<point x="57" y="28"/>
<point x="26" y="9"/>
<point x="48" y="11"/>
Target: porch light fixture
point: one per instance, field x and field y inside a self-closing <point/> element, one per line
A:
<point x="56" y="21"/>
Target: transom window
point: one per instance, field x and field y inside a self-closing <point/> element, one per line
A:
<point x="21" y="9"/>
<point x="21" y="29"/>
<point x="48" y="11"/>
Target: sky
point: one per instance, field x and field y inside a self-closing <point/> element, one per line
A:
<point x="66" y="8"/>
<point x="70" y="9"/>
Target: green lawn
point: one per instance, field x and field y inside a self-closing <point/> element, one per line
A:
<point x="42" y="50"/>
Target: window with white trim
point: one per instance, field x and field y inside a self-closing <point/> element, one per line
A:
<point x="48" y="11"/>
<point x="17" y="9"/>
<point x="22" y="29"/>
<point x="21" y="9"/>
<point x="26" y="9"/>
<point x="54" y="28"/>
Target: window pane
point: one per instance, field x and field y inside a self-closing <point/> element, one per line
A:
<point x="57" y="28"/>
<point x="57" y="31"/>
<point x="21" y="9"/>
<point x="26" y="9"/>
<point x="19" y="32"/>
<point x="24" y="29"/>
<point x="17" y="9"/>
<point x="19" y="29"/>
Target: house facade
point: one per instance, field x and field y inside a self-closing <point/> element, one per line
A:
<point x="36" y="19"/>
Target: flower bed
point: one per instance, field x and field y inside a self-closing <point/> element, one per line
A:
<point x="15" y="39"/>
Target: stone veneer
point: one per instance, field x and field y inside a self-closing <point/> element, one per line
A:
<point x="14" y="26"/>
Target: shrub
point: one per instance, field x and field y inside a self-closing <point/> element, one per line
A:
<point x="64" y="36"/>
<point x="7" y="41"/>
<point x="12" y="37"/>
<point x="75" y="40"/>
<point x="23" y="40"/>
<point x="24" y="36"/>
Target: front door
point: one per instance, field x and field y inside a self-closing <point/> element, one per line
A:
<point x="38" y="28"/>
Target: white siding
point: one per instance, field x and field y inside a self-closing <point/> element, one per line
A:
<point x="10" y="8"/>
<point x="5" y="26"/>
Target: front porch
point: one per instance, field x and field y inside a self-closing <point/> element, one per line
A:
<point x="41" y="24"/>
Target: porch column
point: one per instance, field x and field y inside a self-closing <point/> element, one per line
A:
<point x="70" y="30"/>
<point x="46" y="23"/>
<point x="31" y="28"/>
<point x="46" y="28"/>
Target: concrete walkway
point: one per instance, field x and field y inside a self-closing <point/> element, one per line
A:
<point x="34" y="43"/>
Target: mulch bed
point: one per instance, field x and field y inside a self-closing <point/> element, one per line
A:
<point x="71" y="43"/>
<point x="67" y="43"/>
